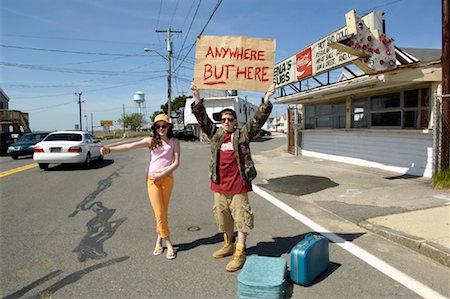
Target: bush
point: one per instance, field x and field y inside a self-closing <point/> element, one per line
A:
<point x="442" y="179"/>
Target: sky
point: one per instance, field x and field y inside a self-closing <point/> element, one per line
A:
<point x="52" y="49"/>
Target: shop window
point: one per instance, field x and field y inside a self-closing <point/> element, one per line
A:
<point x="385" y="110"/>
<point x="386" y="119"/>
<point x="325" y="116"/>
<point x="406" y="109"/>
<point x="409" y="109"/>
<point x="411" y="98"/>
<point x="385" y="101"/>
<point x="360" y="113"/>
<point x="415" y="116"/>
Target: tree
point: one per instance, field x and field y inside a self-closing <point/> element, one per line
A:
<point x="133" y="121"/>
<point x="177" y="107"/>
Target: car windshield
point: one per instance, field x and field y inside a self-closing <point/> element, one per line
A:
<point x="31" y="137"/>
<point x="64" y="137"/>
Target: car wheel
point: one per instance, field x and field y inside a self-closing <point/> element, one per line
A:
<point x="15" y="157"/>
<point x="43" y="166"/>
<point x="87" y="163"/>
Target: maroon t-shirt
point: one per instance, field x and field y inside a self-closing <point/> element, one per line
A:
<point x="230" y="180"/>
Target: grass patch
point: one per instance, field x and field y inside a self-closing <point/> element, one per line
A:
<point x="442" y="179"/>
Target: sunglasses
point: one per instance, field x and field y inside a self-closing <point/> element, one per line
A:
<point x="161" y="127"/>
<point x="229" y="119"/>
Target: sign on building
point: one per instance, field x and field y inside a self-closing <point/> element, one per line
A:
<point x="319" y="57"/>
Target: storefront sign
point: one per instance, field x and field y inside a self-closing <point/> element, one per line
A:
<point x="284" y="72"/>
<point x="319" y="57"/>
<point x="326" y="58"/>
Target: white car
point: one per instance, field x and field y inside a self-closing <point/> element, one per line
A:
<point x="62" y="147"/>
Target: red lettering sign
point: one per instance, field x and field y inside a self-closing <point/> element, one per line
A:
<point x="227" y="62"/>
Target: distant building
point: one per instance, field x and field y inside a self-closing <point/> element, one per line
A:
<point x="216" y="103"/>
<point x="13" y="123"/>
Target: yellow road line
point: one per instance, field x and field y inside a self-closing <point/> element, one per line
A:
<point x="18" y="169"/>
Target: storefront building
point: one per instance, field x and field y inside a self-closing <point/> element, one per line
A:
<point x="381" y="118"/>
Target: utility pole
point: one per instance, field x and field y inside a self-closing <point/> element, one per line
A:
<point x="445" y="132"/>
<point x="169" y="67"/>
<point x="123" y="120"/>
<point x="92" y="123"/>
<point x="79" y="106"/>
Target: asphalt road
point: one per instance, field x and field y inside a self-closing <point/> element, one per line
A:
<point x="74" y="233"/>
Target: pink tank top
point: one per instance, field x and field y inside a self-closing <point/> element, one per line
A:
<point x="161" y="157"/>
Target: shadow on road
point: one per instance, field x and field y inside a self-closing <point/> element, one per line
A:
<point x="282" y="245"/>
<point x="74" y="166"/>
<point x="69" y="279"/>
<point x="299" y="184"/>
<point x="217" y="238"/>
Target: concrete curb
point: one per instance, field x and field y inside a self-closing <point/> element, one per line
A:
<point x="422" y="246"/>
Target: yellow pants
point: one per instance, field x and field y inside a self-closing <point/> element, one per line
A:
<point x="159" y="194"/>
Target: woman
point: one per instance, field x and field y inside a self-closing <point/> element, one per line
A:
<point x="164" y="159"/>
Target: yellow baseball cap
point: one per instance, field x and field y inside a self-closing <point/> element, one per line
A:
<point x="162" y="117"/>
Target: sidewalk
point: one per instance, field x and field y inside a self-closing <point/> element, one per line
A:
<point x="425" y="231"/>
<point x="403" y="209"/>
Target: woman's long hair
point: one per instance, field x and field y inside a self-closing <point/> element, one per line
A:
<point x="156" y="140"/>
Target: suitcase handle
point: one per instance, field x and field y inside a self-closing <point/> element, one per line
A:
<point x="308" y="238"/>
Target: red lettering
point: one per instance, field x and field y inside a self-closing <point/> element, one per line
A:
<point x="252" y="73"/>
<point x="249" y="73"/>
<point x="264" y="78"/>
<point x="257" y="74"/>
<point x="261" y="55"/>
<point x="209" y="52"/>
<point x="240" y="72"/>
<point x="238" y="53"/>
<point x="247" y="54"/>
<point x="221" y="73"/>
<point x="207" y="72"/>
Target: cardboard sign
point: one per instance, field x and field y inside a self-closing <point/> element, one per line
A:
<point x="234" y="63"/>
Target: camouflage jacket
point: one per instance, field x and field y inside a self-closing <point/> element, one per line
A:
<point x="241" y="140"/>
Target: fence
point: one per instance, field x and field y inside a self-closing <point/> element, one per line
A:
<point x="441" y="133"/>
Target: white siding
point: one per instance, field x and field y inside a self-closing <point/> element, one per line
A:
<point x="404" y="153"/>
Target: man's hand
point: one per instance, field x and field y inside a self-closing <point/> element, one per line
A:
<point x="270" y="92"/>
<point x="195" y="92"/>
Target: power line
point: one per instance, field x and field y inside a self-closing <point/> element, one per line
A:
<point x="174" y="12"/>
<point x="129" y="72"/>
<point x="190" y="25"/>
<point x="71" y="52"/>
<point x="381" y="5"/>
<point x="72" y="39"/>
<point x="204" y="27"/>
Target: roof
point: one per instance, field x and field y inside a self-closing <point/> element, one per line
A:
<point x="424" y="54"/>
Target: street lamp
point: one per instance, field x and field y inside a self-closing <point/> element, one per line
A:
<point x="87" y="126"/>
<point x="169" y="80"/>
<point x="79" y="105"/>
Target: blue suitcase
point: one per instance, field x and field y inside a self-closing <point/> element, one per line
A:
<point x="262" y="277"/>
<point x="309" y="259"/>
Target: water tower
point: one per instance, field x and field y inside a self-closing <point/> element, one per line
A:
<point x="139" y="99"/>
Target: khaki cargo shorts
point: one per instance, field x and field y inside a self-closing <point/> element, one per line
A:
<point x="231" y="209"/>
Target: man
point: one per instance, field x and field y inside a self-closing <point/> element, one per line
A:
<point x="231" y="173"/>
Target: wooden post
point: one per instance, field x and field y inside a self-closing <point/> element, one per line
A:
<point x="445" y="133"/>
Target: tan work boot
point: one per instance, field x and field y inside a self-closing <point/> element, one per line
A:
<point x="238" y="260"/>
<point x="227" y="248"/>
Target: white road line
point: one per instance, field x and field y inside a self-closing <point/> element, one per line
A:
<point x="365" y="256"/>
